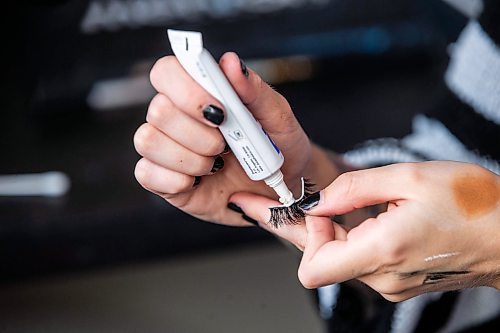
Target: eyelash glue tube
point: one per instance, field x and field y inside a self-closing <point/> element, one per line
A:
<point x="256" y="152"/>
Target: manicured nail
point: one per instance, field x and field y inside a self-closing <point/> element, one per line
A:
<point x="249" y="219"/>
<point x="310" y="201"/>
<point x="244" y="68"/>
<point x="235" y="208"/>
<point x="197" y="180"/>
<point x="213" y="114"/>
<point x="218" y="164"/>
<point x="226" y="150"/>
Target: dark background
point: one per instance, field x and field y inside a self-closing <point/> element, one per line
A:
<point x="376" y="63"/>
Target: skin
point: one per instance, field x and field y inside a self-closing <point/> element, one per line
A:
<point x="433" y="208"/>
<point x="429" y="213"/>
<point x="475" y="194"/>
<point x="173" y="153"/>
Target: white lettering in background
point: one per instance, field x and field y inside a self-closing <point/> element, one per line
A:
<point x="113" y="15"/>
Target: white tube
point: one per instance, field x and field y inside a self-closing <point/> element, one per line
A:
<point x="48" y="184"/>
<point x="256" y="152"/>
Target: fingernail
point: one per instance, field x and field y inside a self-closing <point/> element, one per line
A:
<point x="244" y="68"/>
<point x="249" y="219"/>
<point x="197" y="180"/>
<point x="213" y="114"/>
<point x="226" y="150"/>
<point x="310" y="201"/>
<point x="218" y="164"/>
<point x="235" y="208"/>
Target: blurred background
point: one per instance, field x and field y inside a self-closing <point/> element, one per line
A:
<point x="84" y="248"/>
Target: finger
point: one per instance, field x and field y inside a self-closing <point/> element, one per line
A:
<point x="268" y="107"/>
<point x="257" y="207"/>
<point x="160" y="180"/>
<point x="183" y="129"/>
<point x="169" y="78"/>
<point x="325" y="262"/>
<point x="162" y="150"/>
<point x="361" y="188"/>
<point x="319" y="232"/>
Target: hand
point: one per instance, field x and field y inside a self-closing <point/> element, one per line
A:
<point x="179" y="144"/>
<point x="440" y="231"/>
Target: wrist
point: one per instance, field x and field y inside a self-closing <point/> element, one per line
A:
<point x="324" y="167"/>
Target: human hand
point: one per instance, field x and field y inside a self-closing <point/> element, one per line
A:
<point x="440" y="231"/>
<point x="180" y="141"/>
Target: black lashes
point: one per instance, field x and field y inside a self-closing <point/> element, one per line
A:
<point x="286" y="215"/>
<point x="291" y="215"/>
<point x="308" y="188"/>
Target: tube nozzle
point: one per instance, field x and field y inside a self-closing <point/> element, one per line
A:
<point x="276" y="182"/>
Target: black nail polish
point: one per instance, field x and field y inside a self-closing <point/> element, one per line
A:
<point x="309" y="202"/>
<point x="226" y="150"/>
<point x="213" y="114"/>
<point x="218" y="164"/>
<point x="249" y="219"/>
<point x="235" y="208"/>
<point x="197" y="180"/>
<point x="244" y="68"/>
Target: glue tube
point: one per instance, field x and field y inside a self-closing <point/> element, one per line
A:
<point x="256" y="152"/>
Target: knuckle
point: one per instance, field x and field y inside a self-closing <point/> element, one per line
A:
<point x="392" y="252"/>
<point x="160" y="68"/>
<point x="144" y="138"/>
<point x="348" y="183"/>
<point x="195" y="165"/>
<point x="307" y="278"/>
<point x="204" y="166"/>
<point x="181" y="184"/>
<point x="158" y="109"/>
<point x="412" y="172"/>
<point x="214" y="146"/>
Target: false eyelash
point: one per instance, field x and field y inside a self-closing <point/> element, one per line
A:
<point x="282" y="215"/>
<point x="286" y="215"/>
<point x="308" y="189"/>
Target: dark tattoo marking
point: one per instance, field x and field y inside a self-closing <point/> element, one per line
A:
<point x="432" y="277"/>
<point x="436" y="277"/>
<point x="407" y="275"/>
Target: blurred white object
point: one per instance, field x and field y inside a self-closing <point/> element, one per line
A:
<point x="470" y="8"/>
<point x="47" y="184"/>
<point x="120" y="93"/>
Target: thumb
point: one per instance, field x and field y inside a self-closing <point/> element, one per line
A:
<point x="330" y="257"/>
<point x="362" y="188"/>
<point x="320" y="231"/>
<point x="266" y="105"/>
